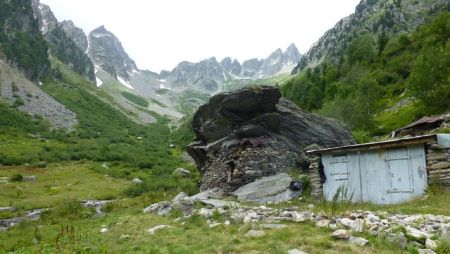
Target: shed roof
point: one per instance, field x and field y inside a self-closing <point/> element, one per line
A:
<point x="425" y="120"/>
<point x="378" y="145"/>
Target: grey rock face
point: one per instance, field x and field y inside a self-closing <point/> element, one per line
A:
<point x="75" y="33"/>
<point x="267" y="189"/>
<point x="106" y="51"/>
<point x="205" y="75"/>
<point x="255" y="130"/>
<point x="67" y="42"/>
<point x="46" y="18"/>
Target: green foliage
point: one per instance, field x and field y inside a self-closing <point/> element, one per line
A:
<point x="184" y="134"/>
<point x="21" y="40"/>
<point x="375" y="72"/>
<point x="16" y="178"/>
<point x="66" y="50"/>
<point x="138" y="100"/>
<point x="443" y="247"/>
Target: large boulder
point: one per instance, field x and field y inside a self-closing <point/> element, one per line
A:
<point x="273" y="189"/>
<point x="253" y="132"/>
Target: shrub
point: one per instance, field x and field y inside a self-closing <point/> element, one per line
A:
<point x="16" y="178"/>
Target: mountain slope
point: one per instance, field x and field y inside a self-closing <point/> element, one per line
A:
<point x="21" y="42"/>
<point x="107" y="52"/>
<point x="61" y="43"/>
<point x="376" y="17"/>
<point x="382" y="82"/>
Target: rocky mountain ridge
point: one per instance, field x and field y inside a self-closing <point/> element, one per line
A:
<point x="65" y="41"/>
<point x="370" y="16"/>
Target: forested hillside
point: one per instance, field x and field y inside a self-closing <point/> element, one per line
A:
<point x="382" y="82"/>
<point x="20" y="39"/>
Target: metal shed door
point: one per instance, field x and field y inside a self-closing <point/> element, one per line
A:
<point x="337" y="175"/>
<point x="400" y="175"/>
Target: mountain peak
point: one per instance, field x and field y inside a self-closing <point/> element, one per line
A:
<point x="107" y="51"/>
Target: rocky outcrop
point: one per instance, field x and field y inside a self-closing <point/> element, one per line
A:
<point x="253" y="132"/>
<point x="107" y="52"/>
<point x="76" y="34"/>
<point x="64" y="40"/>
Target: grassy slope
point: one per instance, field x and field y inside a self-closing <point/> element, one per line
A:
<point x="57" y="185"/>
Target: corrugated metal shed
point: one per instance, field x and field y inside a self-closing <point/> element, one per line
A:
<point x="386" y="172"/>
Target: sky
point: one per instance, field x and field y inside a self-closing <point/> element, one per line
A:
<point x="158" y="34"/>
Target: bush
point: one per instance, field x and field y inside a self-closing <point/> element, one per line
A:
<point x="16" y="178"/>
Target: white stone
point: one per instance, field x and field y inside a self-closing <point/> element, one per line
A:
<point x="136" y="181"/>
<point x="255" y="233"/>
<point x="273" y="226"/>
<point x="323" y="223"/>
<point x="153" y="230"/>
<point x="416" y="234"/>
<point x="426" y="251"/>
<point x="358" y="241"/>
<point x="104" y="230"/>
<point x="373" y="218"/>
<point x="296" y="251"/>
<point x="430" y="244"/>
<point x="213" y="225"/>
<point x="341" y="234"/>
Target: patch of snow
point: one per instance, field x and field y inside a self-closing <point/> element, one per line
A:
<point x="40" y="83"/>
<point x="224" y="76"/>
<point x="99" y="81"/>
<point x="163" y="80"/>
<point x="162" y="86"/>
<point x="123" y="82"/>
<point x="135" y="71"/>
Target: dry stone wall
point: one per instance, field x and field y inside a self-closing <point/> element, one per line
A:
<point x="438" y="164"/>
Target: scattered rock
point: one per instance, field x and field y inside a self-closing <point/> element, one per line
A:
<point x="323" y="223"/>
<point x="358" y="241"/>
<point x="267" y="189"/>
<point x="137" y="181"/>
<point x="213" y="225"/>
<point x="273" y="226"/>
<point x="341" y="234"/>
<point x="162" y="208"/>
<point x="6" y="209"/>
<point x="218" y="203"/>
<point x="446" y="232"/>
<point x="373" y="218"/>
<point x="399" y="240"/>
<point x="124" y="237"/>
<point x="426" y="251"/>
<point x="255" y="233"/>
<point x="296" y="251"/>
<point x="29" y="178"/>
<point x="182" y="172"/>
<point x="184" y="203"/>
<point x="430" y="244"/>
<point x="416" y="234"/>
<point x="153" y="230"/>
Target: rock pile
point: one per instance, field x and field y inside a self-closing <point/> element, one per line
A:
<point x="402" y="230"/>
<point x="253" y="132"/>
